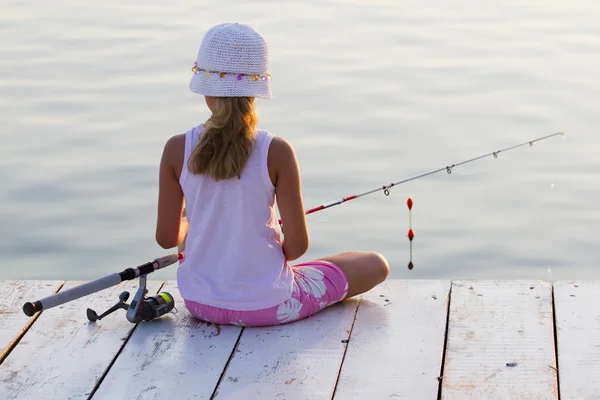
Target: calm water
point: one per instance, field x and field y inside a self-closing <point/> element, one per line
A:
<point x="368" y="92"/>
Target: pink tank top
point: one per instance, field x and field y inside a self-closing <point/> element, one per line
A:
<point x="233" y="255"/>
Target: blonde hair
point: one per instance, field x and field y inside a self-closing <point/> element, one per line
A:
<point x="227" y="140"/>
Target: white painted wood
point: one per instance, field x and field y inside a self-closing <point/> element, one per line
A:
<point x="577" y="308"/>
<point x="63" y="354"/>
<point x="493" y="323"/>
<point x="173" y="357"/>
<point x="299" y="360"/>
<point x="13" y="294"/>
<point x="395" y="351"/>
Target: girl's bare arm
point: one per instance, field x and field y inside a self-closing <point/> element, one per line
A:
<point x="285" y="175"/>
<point x="171" y="228"/>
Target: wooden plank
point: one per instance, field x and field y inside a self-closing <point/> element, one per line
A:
<point x="13" y="322"/>
<point x="578" y="338"/>
<point x="396" y="347"/>
<point x="63" y="354"/>
<point x="299" y="360"/>
<point x="175" y="356"/>
<point x="500" y="342"/>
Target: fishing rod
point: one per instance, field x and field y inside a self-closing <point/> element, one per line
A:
<point x="447" y="168"/>
<point x="142" y="308"/>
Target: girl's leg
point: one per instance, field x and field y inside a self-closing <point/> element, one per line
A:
<point x="364" y="270"/>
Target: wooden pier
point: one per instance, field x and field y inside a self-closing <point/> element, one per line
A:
<point x="406" y="339"/>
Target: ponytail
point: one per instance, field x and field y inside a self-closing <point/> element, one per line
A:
<point x="227" y="140"/>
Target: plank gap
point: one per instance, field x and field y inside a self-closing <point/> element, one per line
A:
<point x="99" y="382"/>
<point x="500" y="341"/>
<point x="337" y="378"/>
<point x="577" y="314"/>
<point x="193" y="351"/>
<point x="399" y="336"/>
<point x="441" y="376"/>
<point x="10" y="347"/>
<point x="235" y="347"/>
<point x="555" y="343"/>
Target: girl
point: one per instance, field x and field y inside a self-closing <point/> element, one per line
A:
<point x="229" y="174"/>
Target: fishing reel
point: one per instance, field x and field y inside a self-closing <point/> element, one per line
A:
<point x="142" y="308"/>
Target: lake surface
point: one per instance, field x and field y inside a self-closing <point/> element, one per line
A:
<point x="368" y="92"/>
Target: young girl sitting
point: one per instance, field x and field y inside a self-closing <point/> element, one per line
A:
<point x="228" y="175"/>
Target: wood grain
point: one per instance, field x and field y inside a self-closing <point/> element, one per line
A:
<point x="578" y="338"/>
<point x="299" y="360"/>
<point x="500" y="341"/>
<point x="63" y="354"/>
<point x="175" y="356"/>
<point x="395" y="351"/>
<point x="13" y="322"/>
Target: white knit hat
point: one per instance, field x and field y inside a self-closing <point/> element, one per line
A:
<point x="233" y="61"/>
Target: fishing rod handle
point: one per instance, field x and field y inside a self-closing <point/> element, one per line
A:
<point x="152" y="266"/>
<point x="167" y="260"/>
<point x="97" y="285"/>
<point x="62" y="297"/>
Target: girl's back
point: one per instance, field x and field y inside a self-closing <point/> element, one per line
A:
<point x="233" y="252"/>
<point x="228" y="175"/>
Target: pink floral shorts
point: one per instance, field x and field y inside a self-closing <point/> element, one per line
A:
<point x="317" y="284"/>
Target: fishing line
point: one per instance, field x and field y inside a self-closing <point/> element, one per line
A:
<point x="411" y="233"/>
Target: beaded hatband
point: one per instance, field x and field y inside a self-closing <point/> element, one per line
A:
<point x="255" y="77"/>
